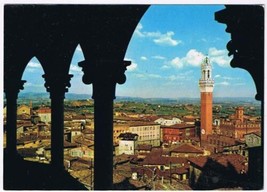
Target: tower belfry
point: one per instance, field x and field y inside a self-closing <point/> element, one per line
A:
<point x="206" y="85"/>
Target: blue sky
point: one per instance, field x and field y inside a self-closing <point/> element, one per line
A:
<point x="166" y="51"/>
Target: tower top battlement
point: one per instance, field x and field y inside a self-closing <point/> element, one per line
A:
<point x="206" y="82"/>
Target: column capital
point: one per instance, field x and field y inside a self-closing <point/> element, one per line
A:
<point x="57" y="82"/>
<point x="104" y="74"/>
<point x="13" y="86"/>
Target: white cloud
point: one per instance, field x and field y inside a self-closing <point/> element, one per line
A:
<point x="181" y="76"/>
<point x="194" y="58"/>
<point x="227" y="78"/>
<point x="144" y="58"/>
<point x="175" y="77"/>
<point x="224" y="83"/>
<point x="158" y="57"/>
<point x="139" y="75"/>
<point x="166" y="67"/>
<point x="132" y="67"/>
<point x="75" y="68"/>
<point x="138" y="29"/>
<point x="215" y="52"/>
<point x="78" y="48"/>
<point x="155" y="76"/>
<point x="177" y="62"/>
<point x="153" y="34"/>
<point x="219" y="57"/>
<point x="34" y="65"/>
<point x="146" y="76"/>
<point x="165" y="39"/>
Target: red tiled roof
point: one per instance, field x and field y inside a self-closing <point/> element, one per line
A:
<point x="88" y="131"/>
<point x="190" y="118"/>
<point x="66" y="145"/>
<point x="138" y="184"/>
<point x="151" y="118"/>
<point x="123" y="158"/>
<point x="234" y="160"/>
<point x="187" y="148"/>
<point x="23" y="116"/>
<point x="258" y="133"/>
<point x="79" y="117"/>
<point x="180" y="170"/>
<point x="44" y="110"/>
<point x="199" y="161"/>
<point x="160" y="160"/>
<point x="144" y="147"/>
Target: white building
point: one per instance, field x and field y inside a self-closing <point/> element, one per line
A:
<point x="168" y="122"/>
<point x="127" y="143"/>
<point x="82" y="152"/>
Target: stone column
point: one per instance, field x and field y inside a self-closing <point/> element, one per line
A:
<point x="103" y="75"/>
<point x="11" y="89"/>
<point x="57" y="85"/>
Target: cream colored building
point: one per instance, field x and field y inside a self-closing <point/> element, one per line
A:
<point x="117" y="130"/>
<point x="148" y="132"/>
<point x="44" y="114"/>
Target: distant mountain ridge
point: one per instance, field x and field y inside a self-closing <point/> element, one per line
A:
<point x="75" y="96"/>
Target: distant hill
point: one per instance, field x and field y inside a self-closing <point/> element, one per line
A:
<point x="74" y="96"/>
<point x="45" y="95"/>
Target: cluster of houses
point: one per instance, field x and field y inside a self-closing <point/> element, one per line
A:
<point x="157" y="147"/>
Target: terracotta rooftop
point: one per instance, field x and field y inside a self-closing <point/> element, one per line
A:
<point x="24" y="124"/>
<point x="258" y="133"/>
<point x="138" y="184"/>
<point x="144" y="147"/>
<point x="123" y="158"/>
<point x="23" y="116"/>
<point x="88" y="131"/>
<point x="150" y="118"/>
<point x="44" y="110"/>
<point x="66" y="145"/>
<point x="118" y="178"/>
<point x="79" y="117"/>
<point x="160" y="160"/>
<point x="222" y="161"/>
<point x="187" y="148"/>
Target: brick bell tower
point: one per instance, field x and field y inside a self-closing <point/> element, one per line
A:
<point x="206" y="85"/>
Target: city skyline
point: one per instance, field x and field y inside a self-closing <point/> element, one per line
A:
<point x="166" y="51"/>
